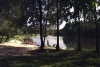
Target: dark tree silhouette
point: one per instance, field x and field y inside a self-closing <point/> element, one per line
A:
<point x="97" y="45"/>
<point x="57" y="46"/>
<point x="41" y="34"/>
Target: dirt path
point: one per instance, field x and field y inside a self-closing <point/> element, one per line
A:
<point x="13" y="48"/>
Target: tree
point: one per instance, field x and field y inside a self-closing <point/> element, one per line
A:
<point x="41" y="34"/>
<point x="95" y="15"/>
<point x="57" y="46"/>
<point x="10" y="14"/>
<point x="46" y="19"/>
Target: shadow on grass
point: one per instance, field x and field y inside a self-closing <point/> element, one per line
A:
<point x="9" y="51"/>
<point x="53" y="58"/>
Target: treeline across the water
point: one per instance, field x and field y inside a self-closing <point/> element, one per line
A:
<point x="87" y="30"/>
<point x="86" y="43"/>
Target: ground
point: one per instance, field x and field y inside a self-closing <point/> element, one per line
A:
<point x="16" y="54"/>
<point x="15" y="48"/>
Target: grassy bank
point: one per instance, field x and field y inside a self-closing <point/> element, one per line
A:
<point x="18" y="37"/>
<point x="52" y="58"/>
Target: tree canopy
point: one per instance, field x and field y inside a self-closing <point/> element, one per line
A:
<point x="31" y="15"/>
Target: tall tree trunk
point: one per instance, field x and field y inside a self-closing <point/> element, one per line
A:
<point x="45" y="31"/>
<point x="97" y="45"/>
<point x="41" y="35"/>
<point x="57" y="46"/>
<point x="79" y="45"/>
<point x="46" y="23"/>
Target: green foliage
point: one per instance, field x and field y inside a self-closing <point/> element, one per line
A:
<point x="16" y="13"/>
<point x="70" y="30"/>
<point x="5" y="28"/>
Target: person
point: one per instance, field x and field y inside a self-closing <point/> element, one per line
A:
<point x="15" y="39"/>
<point x="54" y="45"/>
<point x="33" y="43"/>
<point x="48" y="43"/>
<point x="26" y="41"/>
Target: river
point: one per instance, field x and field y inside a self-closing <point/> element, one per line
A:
<point x="86" y="43"/>
<point x="64" y="43"/>
<point x="52" y="41"/>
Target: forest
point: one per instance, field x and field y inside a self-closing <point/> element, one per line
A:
<point x="43" y="18"/>
<point x="19" y="17"/>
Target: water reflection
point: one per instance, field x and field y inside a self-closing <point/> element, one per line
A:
<point x="52" y="40"/>
<point x="86" y="43"/>
<point x="68" y="42"/>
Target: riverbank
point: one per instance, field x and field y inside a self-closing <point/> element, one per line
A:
<point x="15" y="54"/>
<point x="17" y="43"/>
<point x="15" y="48"/>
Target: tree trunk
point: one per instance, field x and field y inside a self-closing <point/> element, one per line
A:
<point x="97" y="45"/>
<point x="57" y="46"/>
<point x="45" y="30"/>
<point x="46" y="23"/>
<point x="79" y="45"/>
<point x="41" y="35"/>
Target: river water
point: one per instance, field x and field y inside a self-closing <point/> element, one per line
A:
<point x="86" y="43"/>
<point x="52" y="41"/>
<point x="64" y="43"/>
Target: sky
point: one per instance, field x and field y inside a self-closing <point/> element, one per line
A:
<point x="71" y="10"/>
<point x="61" y="26"/>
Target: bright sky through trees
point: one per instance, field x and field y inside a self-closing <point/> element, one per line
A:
<point x="62" y="25"/>
<point x="64" y="22"/>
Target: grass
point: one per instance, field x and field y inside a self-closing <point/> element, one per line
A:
<point x="52" y="58"/>
<point x="21" y="37"/>
<point x="18" y="37"/>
